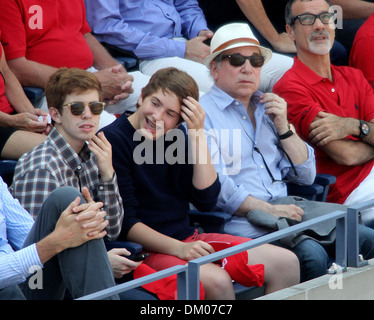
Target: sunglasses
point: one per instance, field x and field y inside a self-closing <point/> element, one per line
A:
<point x="308" y="19"/>
<point x="273" y="180"/>
<point x="237" y="60"/>
<point x="77" y="108"/>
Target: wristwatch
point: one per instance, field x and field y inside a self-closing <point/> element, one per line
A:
<point x="364" y="129"/>
<point x="289" y="133"/>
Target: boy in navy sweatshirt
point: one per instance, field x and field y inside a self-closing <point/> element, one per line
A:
<point x="161" y="170"/>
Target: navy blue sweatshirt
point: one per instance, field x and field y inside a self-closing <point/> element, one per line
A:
<point x="156" y="194"/>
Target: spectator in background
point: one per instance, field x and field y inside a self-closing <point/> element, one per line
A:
<point x="162" y="34"/>
<point x="362" y="52"/>
<point x="267" y="23"/>
<point x="331" y="107"/>
<point x="20" y="129"/>
<point x="39" y="37"/>
<point x="65" y="241"/>
<point x="355" y="13"/>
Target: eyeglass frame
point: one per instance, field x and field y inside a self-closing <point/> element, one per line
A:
<point x="293" y="20"/>
<point x="273" y="180"/>
<point x="85" y="104"/>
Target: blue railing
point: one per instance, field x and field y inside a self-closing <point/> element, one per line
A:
<point x="341" y="247"/>
<point x="188" y="275"/>
<point x="353" y="244"/>
<point x="180" y="271"/>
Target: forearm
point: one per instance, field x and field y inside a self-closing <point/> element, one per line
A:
<point x="30" y="73"/>
<point x="49" y="247"/>
<point x="252" y="203"/>
<point x="296" y="149"/>
<point x="204" y="173"/>
<point x="152" y="240"/>
<point x="255" y="13"/>
<point x="15" y="93"/>
<point x="349" y="152"/>
<point x="355" y="9"/>
<point x="102" y="59"/>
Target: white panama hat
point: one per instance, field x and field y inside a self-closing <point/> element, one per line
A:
<point x="234" y="35"/>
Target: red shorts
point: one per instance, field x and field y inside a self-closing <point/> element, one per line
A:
<point x="160" y="261"/>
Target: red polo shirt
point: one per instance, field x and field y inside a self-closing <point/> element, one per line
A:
<point x="362" y="52"/>
<point x="50" y="32"/>
<point x="350" y="95"/>
<point x="4" y="103"/>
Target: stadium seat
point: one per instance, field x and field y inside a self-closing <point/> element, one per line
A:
<point x="7" y="170"/>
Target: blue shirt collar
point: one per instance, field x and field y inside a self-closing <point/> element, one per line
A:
<point x="223" y="100"/>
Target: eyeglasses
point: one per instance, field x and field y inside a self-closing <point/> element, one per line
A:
<point x="77" y="108"/>
<point x="273" y="180"/>
<point x="308" y="19"/>
<point x="237" y="60"/>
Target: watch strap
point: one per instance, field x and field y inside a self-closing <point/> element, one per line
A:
<point x="286" y="135"/>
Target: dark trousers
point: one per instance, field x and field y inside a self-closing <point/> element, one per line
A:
<point x="81" y="270"/>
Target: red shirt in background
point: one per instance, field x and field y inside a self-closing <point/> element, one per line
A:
<point x="350" y="95"/>
<point x="4" y="103"/>
<point x="50" y="32"/>
<point x="362" y="52"/>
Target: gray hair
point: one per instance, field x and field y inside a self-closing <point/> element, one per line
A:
<point x="288" y="11"/>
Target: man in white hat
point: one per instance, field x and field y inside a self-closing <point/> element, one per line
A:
<point x="255" y="150"/>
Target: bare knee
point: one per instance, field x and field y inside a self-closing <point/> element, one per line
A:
<point x="217" y="283"/>
<point x="282" y="267"/>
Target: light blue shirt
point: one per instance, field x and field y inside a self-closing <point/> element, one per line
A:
<point x="146" y="27"/>
<point x="15" y="225"/>
<point x="231" y="139"/>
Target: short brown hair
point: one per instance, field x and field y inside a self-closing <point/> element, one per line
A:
<point x="173" y="80"/>
<point x="67" y="81"/>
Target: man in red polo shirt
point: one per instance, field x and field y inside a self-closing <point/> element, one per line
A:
<point x="331" y="107"/>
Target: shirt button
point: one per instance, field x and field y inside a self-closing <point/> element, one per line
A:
<point x="236" y="103"/>
<point x="244" y="117"/>
<point x="101" y="188"/>
<point x="332" y="90"/>
<point x="79" y="167"/>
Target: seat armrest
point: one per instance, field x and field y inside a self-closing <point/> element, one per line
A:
<point x="133" y="247"/>
<point x="213" y="221"/>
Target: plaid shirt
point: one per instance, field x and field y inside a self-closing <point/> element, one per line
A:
<point x="55" y="164"/>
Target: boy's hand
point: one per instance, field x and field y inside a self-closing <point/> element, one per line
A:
<point x="102" y="148"/>
<point x="193" y="114"/>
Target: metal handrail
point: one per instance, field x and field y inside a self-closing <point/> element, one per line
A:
<point x="180" y="271"/>
<point x="188" y="275"/>
<point x="341" y="247"/>
<point x="353" y="212"/>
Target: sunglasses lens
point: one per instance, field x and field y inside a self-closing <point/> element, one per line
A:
<point x="96" y="107"/>
<point x="237" y="60"/>
<point x="77" y="108"/>
<point x="257" y="61"/>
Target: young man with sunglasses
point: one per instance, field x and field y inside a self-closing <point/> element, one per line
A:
<point x="74" y="156"/>
<point x="264" y="150"/>
<point x="331" y="107"/>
